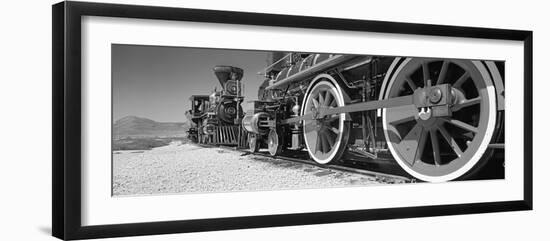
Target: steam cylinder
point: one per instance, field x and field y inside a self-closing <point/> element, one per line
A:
<point x="253" y="123"/>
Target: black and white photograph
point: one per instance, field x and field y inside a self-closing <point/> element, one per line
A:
<point x="205" y="120"/>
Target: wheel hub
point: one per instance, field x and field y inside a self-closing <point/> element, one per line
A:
<point x="425" y="113"/>
<point x="431" y="96"/>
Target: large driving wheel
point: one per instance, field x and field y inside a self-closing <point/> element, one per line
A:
<point x="438" y="149"/>
<point x="326" y="138"/>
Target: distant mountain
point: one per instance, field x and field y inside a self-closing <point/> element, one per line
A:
<point x="133" y="126"/>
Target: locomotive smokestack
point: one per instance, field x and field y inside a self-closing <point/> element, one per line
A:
<point x="225" y="73"/>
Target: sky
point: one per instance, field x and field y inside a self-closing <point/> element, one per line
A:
<point x="156" y="82"/>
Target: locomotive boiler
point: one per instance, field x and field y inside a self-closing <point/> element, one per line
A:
<point x="216" y="117"/>
<point x="439" y="119"/>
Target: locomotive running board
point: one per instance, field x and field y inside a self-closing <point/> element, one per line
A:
<point x="357" y="107"/>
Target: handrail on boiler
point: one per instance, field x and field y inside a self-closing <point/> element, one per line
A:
<point x="273" y="64"/>
<point x="328" y="63"/>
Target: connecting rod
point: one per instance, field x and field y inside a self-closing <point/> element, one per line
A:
<point x="357" y="107"/>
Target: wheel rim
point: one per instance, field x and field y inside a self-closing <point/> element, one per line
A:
<point x="441" y="148"/>
<point x="324" y="138"/>
<point x="252" y="143"/>
<point x="273" y="143"/>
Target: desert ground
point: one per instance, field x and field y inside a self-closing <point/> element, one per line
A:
<point x="189" y="168"/>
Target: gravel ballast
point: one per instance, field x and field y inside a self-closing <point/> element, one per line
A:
<point x="188" y="168"/>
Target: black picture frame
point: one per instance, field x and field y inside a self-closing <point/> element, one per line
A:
<point x="66" y="127"/>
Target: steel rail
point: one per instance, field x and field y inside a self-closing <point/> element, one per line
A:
<point x="375" y="174"/>
<point x="339" y="168"/>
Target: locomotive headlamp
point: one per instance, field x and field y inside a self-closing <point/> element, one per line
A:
<point x="232" y="87"/>
<point x="230" y="110"/>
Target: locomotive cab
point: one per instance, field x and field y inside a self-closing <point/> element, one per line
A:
<point x="199" y="104"/>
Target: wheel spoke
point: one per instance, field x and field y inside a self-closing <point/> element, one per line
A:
<point x="330" y="138"/>
<point x="332" y="103"/>
<point x="413" y="144"/>
<point x="463" y="125"/>
<point x="321" y="99"/>
<point x="328" y="99"/>
<point x="469" y="135"/>
<point x="324" y="142"/>
<point x="461" y="80"/>
<point x="334" y="130"/>
<point x="404" y="120"/>
<point x="450" y="140"/>
<point x="401" y="114"/>
<point x="421" y="144"/>
<point x="426" y="74"/>
<point x="311" y="134"/>
<point x="309" y="126"/>
<point x="317" y="142"/>
<point x="435" y="147"/>
<point x="466" y="103"/>
<point x="315" y="102"/>
<point x="443" y="72"/>
<point x="412" y="133"/>
<point x="410" y="83"/>
<point x="333" y="118"/>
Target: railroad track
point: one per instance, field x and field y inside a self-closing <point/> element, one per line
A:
<point x="348" y="165"/>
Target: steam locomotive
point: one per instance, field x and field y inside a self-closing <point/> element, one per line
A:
<point x="439" y="119"/>
<point x="215" y="118"/>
